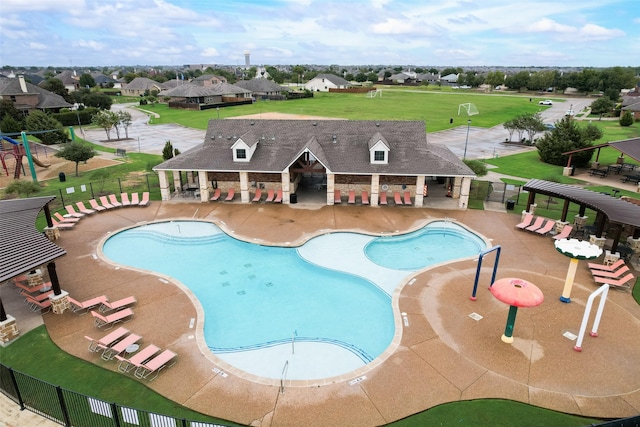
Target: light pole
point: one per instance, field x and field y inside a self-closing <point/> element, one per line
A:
<point x="466" y="141"/>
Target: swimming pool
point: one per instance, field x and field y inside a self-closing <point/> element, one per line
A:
<point x="320" y="310"/>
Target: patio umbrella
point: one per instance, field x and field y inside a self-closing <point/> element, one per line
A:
<point x="516" y="293"/>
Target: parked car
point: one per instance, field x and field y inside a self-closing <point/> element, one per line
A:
<point x="546" y="102"/>
<point x="549" y="126"/>
<point x="465" y="87"/>
<point x="570" y="113"/>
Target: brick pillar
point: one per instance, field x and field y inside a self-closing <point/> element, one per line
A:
<point x="60" y="303"/>
<point x="52" y="233"/>
<point x="8" y="329"/>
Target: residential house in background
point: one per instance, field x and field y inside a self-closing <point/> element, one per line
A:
<point x="26" y="96"/>
<point x="140" y="85"/>
<point x="102" y="80"/>
<point x="195" y="96"/>
<point x="324" y="82"/>
<point x="70" y="79"/>
<point x="263" y="89"/>
<point x="209" y="80"/>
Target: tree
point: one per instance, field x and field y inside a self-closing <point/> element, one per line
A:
<point x="40" y="121"/>
<point x="87" y="81"/>
<point x="372" y="77"/>
<point x="602" y="106"/>
<point x="8" y="109"/>
<point x="124" y="119"/>
<point x="568" y="136"/>
<point x="56" y="86"/>
<point x="532" y="124"/>
<point x="626" y="119"/>
<point x="495" y="78"/>
<point x="167" y="151"/>
<point x="478" y="167"/>
<point x="361" y="77"/>
<point x="106" y="120"/>
<point x="93" y="99"/>
<point x="10" y="125"/>
<point x="518" y="80"/>
<point x="76" y="152"/>
<point x="23" y="188"/>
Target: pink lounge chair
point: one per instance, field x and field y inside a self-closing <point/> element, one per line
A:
<point x="82" y="307"/>
<point x="135" y="199"/>
<point x="105" y="203"/>
<point x="63" y="225"/>
<point x="365" y="198"/>
<point x="383" y="198"/>
<point x="72" y="212"/>
<point x="216" y="195"/>
<point x="63" y="219"/>
<point x="118" y="348"/>
<point x="230" y="195"/>
<point x="397" y="199"/>
<point x="95" y="206"/>
<point x="623" y="282"/>
<point x="257" y="196"/>
<point x="352" y="197"/>
<point x="36" y="305"/>
<point x="125" y="199"/>
<point x="526" y="221"/>
<point x="144" y="201"/>
<point x="547" y="227"/>
<point x="270" y="196"/>
<point x="38" y="297"/>
<point x="114" y="201"/>
<point x="536" y="224"/>
<point x="83" y="209"/>
<point x="610" y="274"/>
<point x="106" y="306"/>
<point x="137" y="359"/>
<point x="564" y="233"/>
<point x="107" y="341"/>
<point x="155" y="365"/>
<point x="278" y="198"/>
<point x="407" y="198"/>
<point x="111" y="319"/>
<point x="613" y="267"/>
<point x="33" y="289"/>
<point x="337" y="197"/>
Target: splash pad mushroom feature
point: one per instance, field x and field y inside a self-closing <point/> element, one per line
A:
<point x="516" y="293"/>
<point x="576" y="250"/>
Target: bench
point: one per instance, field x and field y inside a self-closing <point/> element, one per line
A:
<point x="631" y="178"/>
<point x="121" y="152"/>
<point x="602" y="173"/>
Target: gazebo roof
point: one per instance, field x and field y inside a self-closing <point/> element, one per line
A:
<point x="22" y="246"/>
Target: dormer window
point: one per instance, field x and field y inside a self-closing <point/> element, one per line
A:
<point x="378" y="150"/>
<point x="379" y="156"/>
<point x="241" y="153"/>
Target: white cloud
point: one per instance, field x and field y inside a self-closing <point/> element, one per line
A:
<point x="210" y="52"/>
<point x="596" y="32"/>
<point x="37" y="46"/>
<point x="546" y="25"/>
<point x="16" y="6"/>
<point x="90" y="44"/>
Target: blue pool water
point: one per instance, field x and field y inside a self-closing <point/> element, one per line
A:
<point x="261" y="297"/>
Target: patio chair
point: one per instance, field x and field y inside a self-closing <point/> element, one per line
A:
<point x="397" y="199"/>
<point x="278" y="198"/>
<point x="564" y="233"/>
<point x="95" y="206"/>
<point x="231" y="194"/>
<point x="616" y="265"/>
<point x="33" y="289"/>
<point x="365" y="198"/>
<point x="71" y="212"/>
<point x="114" y="201"/>
<point x="108" y="340"/>
<point x="257" y="196"/>
<point x="83" y="209"/>
<point x="383" y="198"/>
<point x="124" y="197"/>
<point x="526" y="221"/>
<point x="111" y="319"/>
<point x="36" y="305"/>
<point x="155" y="365"/>
<point x="41" y="296"/>
<point x="106" y="306"/>
<point x="536" y="224"/>
<point x="82" y="307"/>
<point x="216" y="195"/>
<point x="610" y="274"/>
<point x="144" y="201"/>
<point x="119" y="347"/>
<point x="104" y="202"/>
<point x="137" y="359"/>
<point x="135" y="199"/>
<point x="337" y="197"/>
<point x="63" y="219"/>
<point x="407" y="198"/>
<point x="352" y="197"/>
<point x="270" y="196"/>
<point x="547" y="227"/>
<point x="62" y="225"/>
<point x="619" y="283"/>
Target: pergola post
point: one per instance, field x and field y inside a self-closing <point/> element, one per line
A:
<point x="59" y="299"/>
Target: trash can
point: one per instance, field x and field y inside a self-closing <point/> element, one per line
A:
<point x="293" y="198"/>
<point x="573" y="170"/>
<point x="62" y="177"/>
<point x="511" y="204"/>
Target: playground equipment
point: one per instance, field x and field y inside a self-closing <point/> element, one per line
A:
<point x="603" y="291"/>
<point x="469" y="108"/>
<point x="18" y="151"/>
<point x="496" y="248"/>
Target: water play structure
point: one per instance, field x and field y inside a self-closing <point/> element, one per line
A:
<point x="17" y="151"/>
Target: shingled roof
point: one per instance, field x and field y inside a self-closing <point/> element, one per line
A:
<point x="193" y="90"/>
<point x="281" y="142"/>
<point x="11" y="87"/>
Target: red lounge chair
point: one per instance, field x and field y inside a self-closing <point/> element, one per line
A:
<point x="38" y="297"/>
<point x="125" y="199"/>
<point x="63" y="219"/>
<point x="137" y="359"/>
<point x="72" y="212"/>
<point x="230" y="195"/>
<point x="365" y="198"/>
<point x="564" y="233"/>
<point x="352" y="197"/>
<point x="337" y="197"/>
<point x="270" y="196"/>
<point x="63" y="225"/>
<point x="155" y="365"/>
<point x="383" y="198"/>
<point x="613" y="267"/>
<point x="83" y="209"/>
<point x="81" y="307"/>
<point x="547" y="227"/>
<point x="216" y="195"/>
<point x="536" y="224"/>
<point x="114" y="201"/>
<point x="278" y="198"/>
<point x="36" y="305"/>
<point x="257" y="196"/>
<point x="105" y="203"/>
<point x="620" y="283"/>
<point x="118" y="348"/>
<point x="111" y="319"/>
<point x="108" y="340"/>
<point x="397" y="198"/>
<point x="610" y="274"/>
<point x="145" y="199"/>
<point x="95" y="206"/>
<point x="407" y="198"/>
<point x="526" y="221"/>
<point x="117" y="305"/>
<point x="135" y="199"/>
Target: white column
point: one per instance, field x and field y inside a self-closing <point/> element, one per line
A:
<point x="286" y="187"/>
<point x="375" y="189"/>
<point x="331" y="186"/>
<point x="165" y="193"/>
<point x="465" y="186"/>
<point x="204" y="186"/>
<point x="244" y="187"/>
<point x="176" y="181"/>
<point x="419" y="190"/>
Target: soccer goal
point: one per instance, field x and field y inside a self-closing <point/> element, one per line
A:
<point x="469" y="108"/>
<point x="374" y="93"/>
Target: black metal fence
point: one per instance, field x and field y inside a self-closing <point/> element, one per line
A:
<point x="69" y="408"/>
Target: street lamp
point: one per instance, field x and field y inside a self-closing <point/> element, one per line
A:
<point x="466" y="141"/>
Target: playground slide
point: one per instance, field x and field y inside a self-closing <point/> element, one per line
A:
<point x="14" y="142"/>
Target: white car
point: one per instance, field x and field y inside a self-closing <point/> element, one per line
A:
<point x="570" y="113"/>
<point x="546" y="102"/>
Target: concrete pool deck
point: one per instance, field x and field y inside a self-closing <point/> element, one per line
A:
<point x="442" y="355"/>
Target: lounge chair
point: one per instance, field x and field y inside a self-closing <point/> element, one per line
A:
<point x="36" y="305"/>
<point x="230" y="195"/>
<point x="41" y="296"/>
<point x="257" y="196"/>
<point x="106" y="306"/>
<point x="619" y="283"/>
<point x="538" y="223"/>
<point x="365" y="198"/>
<point x="135" y="199"/>
<point x="111" y="319"/>
<point x="278" y="198"/>
<point x="613" y="267"/>
<point x="216" y="195"/>
<point x="61" y="218"/>
<point x="33" y="289"/>
<point x="107" y="341"/>
<point x="337" y="197"/>
<point x="270" y="196"/>
<point x="145" y="199"/>
<point x="62" y="225"/>
<point x="547" y="227"/>
<point x="83" y="209"/>
<point x="95" y="206"/>
<point x="114" y="201"/>
<point x="610" y="274"/>
<point x="397" y="199"/>
<point x="526" y="221"/>
<point x="407" y="198"/>
<point x="124" y="197"/>
<point x="137" y="359"/>
<point x="352" y="197"/>
<point x="104" y="202"/>
<point x="72" y="212"/>
<point x="155" y="365"/>
<point x="564" y="233"/>
<point x="118" y="348"/>
<point x="383" y="198"/>
<point x="82" y="307"/>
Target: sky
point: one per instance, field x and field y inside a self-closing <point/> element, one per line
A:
<point x="553" y="33"/>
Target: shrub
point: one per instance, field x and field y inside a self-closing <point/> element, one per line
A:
<point x="626" y="119"/>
